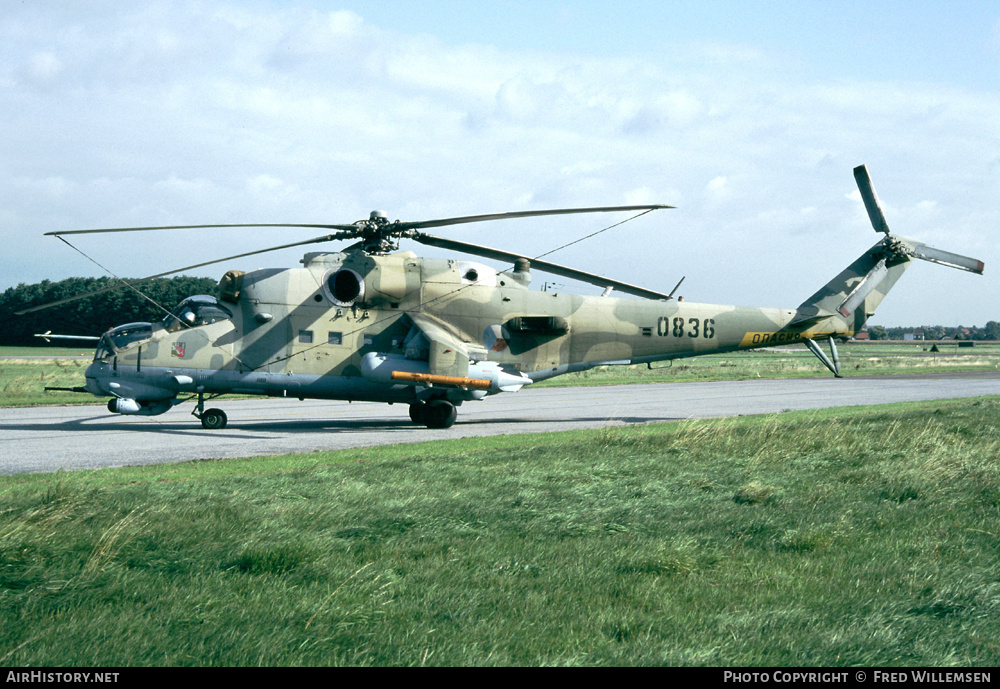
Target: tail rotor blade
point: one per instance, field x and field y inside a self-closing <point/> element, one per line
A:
<point x="907" y="246"/>
<point x="871" y="200"/>
<point x="863" y="289"/>
<point x="946" y="258"/>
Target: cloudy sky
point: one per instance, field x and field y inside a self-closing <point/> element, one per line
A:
<point x="748" y="117"/>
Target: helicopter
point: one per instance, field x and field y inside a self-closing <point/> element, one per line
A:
<point x="376" y="323"/>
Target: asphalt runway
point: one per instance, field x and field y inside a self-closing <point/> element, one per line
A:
<point x="46" y="439"/>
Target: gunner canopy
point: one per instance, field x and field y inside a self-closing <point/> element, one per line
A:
<point x="190" y="313"/>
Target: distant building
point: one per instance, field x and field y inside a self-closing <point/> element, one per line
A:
<point x="863" y="335"/>
<point x="915" y="335"/>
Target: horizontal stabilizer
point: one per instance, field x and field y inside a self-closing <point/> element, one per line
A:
<point x="808" y="315"/>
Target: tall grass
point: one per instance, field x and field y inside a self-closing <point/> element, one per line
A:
<point x="818" y="538"/>
<point x="23" y="381"/>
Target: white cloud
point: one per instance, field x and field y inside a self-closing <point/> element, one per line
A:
<point x="44" y="66"/>
<point x="718" y="189"/>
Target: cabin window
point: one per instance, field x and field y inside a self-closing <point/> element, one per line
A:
<point x="335" y="338"/>
<point x="306" y="336"/>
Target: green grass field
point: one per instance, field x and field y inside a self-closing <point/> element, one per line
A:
<point x="856" y="358"/>
<point x="864" y="536"/>
<point x="23" y="381"/>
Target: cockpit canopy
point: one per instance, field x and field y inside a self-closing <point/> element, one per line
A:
<point x="190" y="313"/>
<point x="122" y="337"/>
<point x="194" y="311"/>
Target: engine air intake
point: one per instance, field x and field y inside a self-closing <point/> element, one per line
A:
<point x="345" y="287"/>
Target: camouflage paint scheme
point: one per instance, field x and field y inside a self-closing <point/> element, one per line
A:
<point x="288" y="336"/>
<point x="377" y="325"/>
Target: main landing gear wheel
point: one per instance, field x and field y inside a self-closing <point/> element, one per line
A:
<point x="439" y="414"/>
<point x="433" y="414"/>
<point x="214" y="419"/>
<point x="418" y="411"/>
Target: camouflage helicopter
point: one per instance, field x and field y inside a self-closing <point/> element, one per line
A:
<point x="377" y="324"/>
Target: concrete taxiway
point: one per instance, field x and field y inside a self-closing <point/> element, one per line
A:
<point x="45" y="439"/>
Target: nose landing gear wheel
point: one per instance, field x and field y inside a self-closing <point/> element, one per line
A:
<point x="212" y="419"/>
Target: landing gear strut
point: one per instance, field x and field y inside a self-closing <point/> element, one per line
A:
<point x="434" y="414"/>
<point x="833" y="365"/>
<point x="212" y="419"/>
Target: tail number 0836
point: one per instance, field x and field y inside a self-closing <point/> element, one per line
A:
<point x="679" y="327"/>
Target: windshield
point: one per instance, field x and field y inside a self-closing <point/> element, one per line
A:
<point x="194" y="311"/>
<point x="121" y="338"/>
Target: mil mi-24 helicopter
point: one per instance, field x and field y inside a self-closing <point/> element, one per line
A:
<point x="377" y="324"/>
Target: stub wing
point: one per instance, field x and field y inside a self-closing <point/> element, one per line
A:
<point x="437" y="354"/>
<point x="449" y="350"/>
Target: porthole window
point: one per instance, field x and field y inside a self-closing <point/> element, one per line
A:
<point x="473" y="273"/>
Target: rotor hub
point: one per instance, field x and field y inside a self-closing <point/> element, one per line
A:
<point x="378" y="235"/>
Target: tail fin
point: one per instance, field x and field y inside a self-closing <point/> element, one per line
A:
<point x="852" y="297"/>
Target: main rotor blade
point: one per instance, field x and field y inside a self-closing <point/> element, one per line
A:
<point x="545" y="266"/>
<point x="315" y="240"/>
<point x="871" y="200"/>
<point x="398" y="225"/>
<point x="519" y="214"/>
<point x="196" y="227"/>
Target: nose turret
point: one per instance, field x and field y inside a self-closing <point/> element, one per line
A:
<point x="93" y="375"/>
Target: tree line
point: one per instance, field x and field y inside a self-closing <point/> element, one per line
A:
<point x="90" y="315"/>
<point x="991" y="331"/>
